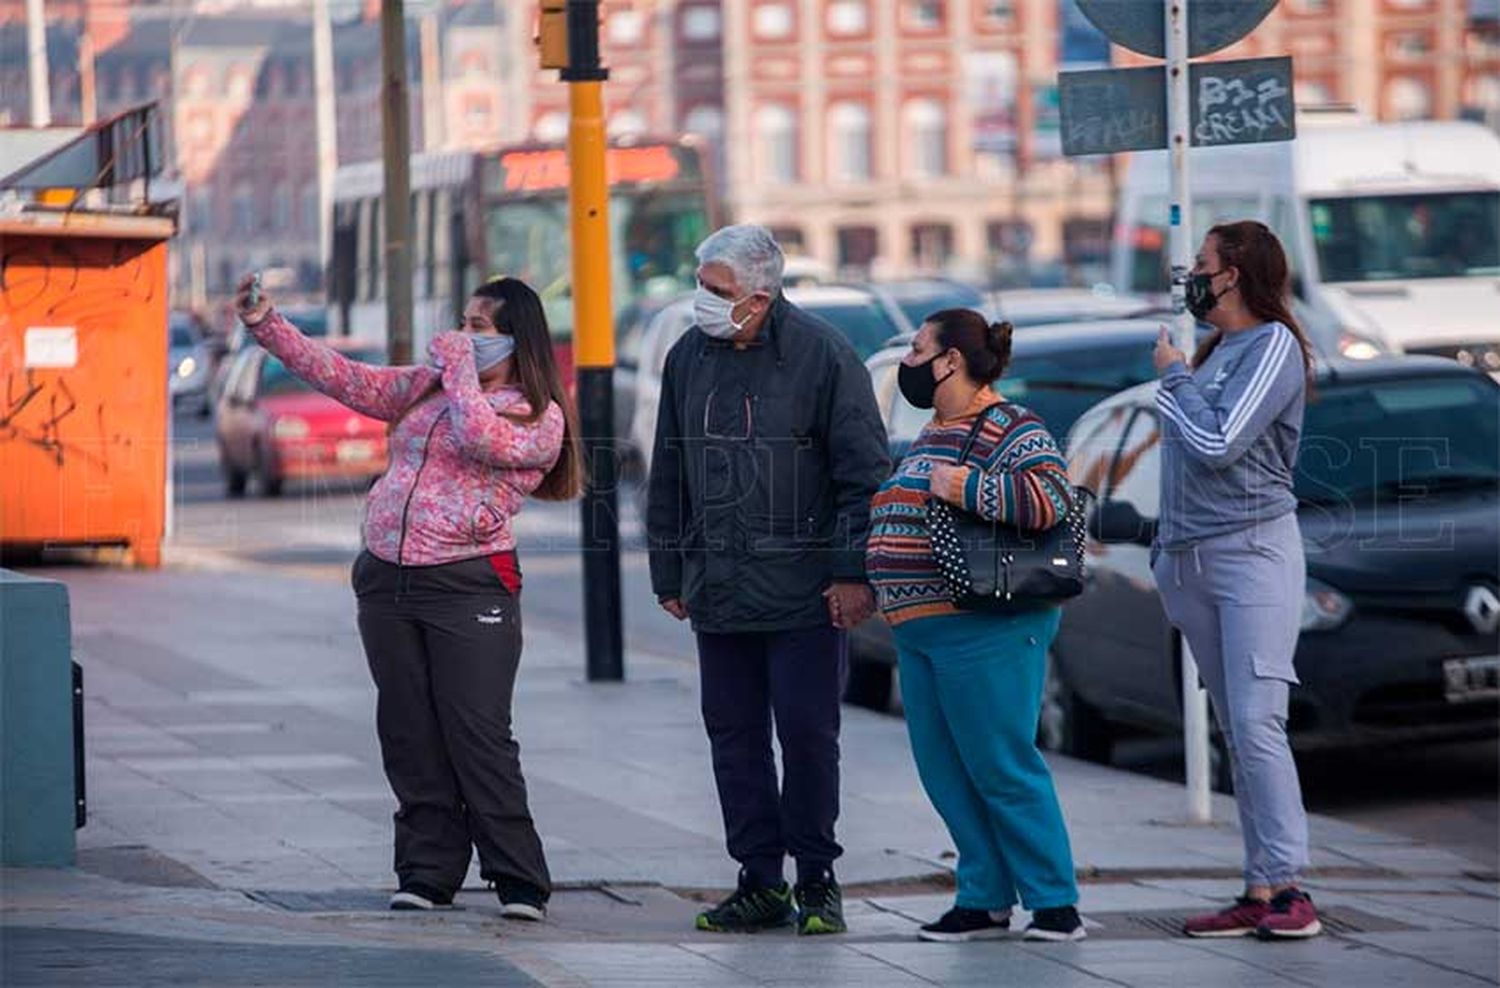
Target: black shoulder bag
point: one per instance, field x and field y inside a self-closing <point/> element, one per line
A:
<point x="994" y="566"/>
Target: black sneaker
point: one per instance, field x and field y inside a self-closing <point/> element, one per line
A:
<point x="416" y="897"/>
<point x="820" y="906"/>
<point x="521" y="900"/>
<point x="749" y="910"/>
<point x="1056" y="925"/>
<point x="960" y="924"/>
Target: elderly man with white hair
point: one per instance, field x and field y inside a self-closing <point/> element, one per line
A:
<point x="769" y="447"/>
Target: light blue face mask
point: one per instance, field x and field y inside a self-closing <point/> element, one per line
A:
<point x="491" y="351"/>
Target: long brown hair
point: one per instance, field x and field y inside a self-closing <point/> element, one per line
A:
<point x="1252" y="249"/>
<point x="518" y="311"/>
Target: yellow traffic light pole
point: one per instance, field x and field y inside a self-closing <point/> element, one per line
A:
<point x="569" y="40"/>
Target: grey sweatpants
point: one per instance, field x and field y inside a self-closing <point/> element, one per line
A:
<point x="444" y="644"/>
<point x="1237" y="599"/>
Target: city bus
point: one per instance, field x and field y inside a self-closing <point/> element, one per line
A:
<point x="479" y="214"/>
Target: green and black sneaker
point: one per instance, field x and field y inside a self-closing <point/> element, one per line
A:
<point x="820" y="906"/>
<point x="750" y="910"/>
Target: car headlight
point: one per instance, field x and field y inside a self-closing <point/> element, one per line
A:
<point x="187" y="367"/>
<point x="289" y="427"/>
<point x="1324" y="608"/>
<point x="1353" y="346"/>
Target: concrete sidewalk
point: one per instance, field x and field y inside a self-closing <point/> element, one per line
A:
<point x="240" y="834"/>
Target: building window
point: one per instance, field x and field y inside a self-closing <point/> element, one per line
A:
<point x="776" y="128"/>
<point x="700" y="24"/>
<point x="1000" y="11"/>
<point x="850" y="124"/>
<point x="626" y="27"/>
<point x="931" y="246"/>
<point x="858" y="247"/>
<point x="1310" y="6"/>
<point x="1408" y="99"/>
<point x="281" y="208"/>
<point x="927" y="123"/>
<point x="311" y="208"/>
<point x="773" y="21"/>
<point x="1409" y="44"/>
<point x="200" y="211"/>
<point x="1311" y="92"/>
<point x="846" y="17"/>
<point x="924" y="15"/>
<point x="790" y="238"/>
<point x="242" y="209"/>
<point x="705" y="121"/>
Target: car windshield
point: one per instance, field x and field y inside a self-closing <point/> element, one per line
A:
<point x="1059" y="386"/>
<point x="181" y="327"/>
<point x="275" y="379"/>
<point x="1391" y="439"/>
<point x="865" y="324"/>
<point x="1387" y="238"/>
<point x="917" y="302"/>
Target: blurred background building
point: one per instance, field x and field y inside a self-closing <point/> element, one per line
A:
<point x="881" y="137"/>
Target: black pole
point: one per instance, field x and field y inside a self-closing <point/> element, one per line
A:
<point x="603" y="629"/>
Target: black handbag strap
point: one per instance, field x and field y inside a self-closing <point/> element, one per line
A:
<point x="979" y="421"/>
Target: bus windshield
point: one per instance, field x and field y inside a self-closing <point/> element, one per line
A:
<point x="1394" y="237"/>
<point x="652" y="238"/>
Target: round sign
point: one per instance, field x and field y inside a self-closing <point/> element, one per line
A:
<point x="1140" y="25"/>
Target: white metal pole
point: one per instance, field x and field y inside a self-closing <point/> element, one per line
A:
<point x="36" y="60"/>
<point x="1179" y="122"/>
<point x="326" y="125"/>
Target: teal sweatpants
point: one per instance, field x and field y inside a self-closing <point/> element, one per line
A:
<point x="972" y="687"/>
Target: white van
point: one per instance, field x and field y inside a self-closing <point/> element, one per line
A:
<point x="1393" y="230"/>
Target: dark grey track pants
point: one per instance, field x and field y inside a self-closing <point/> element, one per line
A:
<point x="444" y="644"/>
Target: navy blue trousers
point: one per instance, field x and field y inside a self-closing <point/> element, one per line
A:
<point x="794" y="680"/>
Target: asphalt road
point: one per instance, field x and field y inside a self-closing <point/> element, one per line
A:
<point x="1448" y="795"/>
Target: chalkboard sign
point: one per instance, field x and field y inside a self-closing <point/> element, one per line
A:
<point x="1141" y="25"/>
<point x="1247" y="101"/>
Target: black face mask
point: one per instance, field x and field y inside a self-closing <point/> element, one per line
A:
<point x="917" y="384"/>
<point x="1201" y="298"/>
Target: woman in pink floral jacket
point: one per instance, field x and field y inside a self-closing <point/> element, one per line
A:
<point x="484" y="425"/>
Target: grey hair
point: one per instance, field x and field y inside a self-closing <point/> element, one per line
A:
<point x="750" y="252"/>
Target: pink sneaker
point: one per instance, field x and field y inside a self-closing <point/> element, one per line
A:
<point x="1240" y="920"/>
<point x="1292" y="917"/>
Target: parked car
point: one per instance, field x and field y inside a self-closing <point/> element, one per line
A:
<point x="312" y="320"/>
<point x="919" y="298"/>
<point x="1024" y="307"/>
<point x="190" y="361"/>
<point x="866" y="316"/>
<point x="274" y="427"/>
<point x="1397" y="483"/>
<point x="1059" y="373"/>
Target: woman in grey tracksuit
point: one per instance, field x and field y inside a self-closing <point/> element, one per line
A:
<point x="1228" y="559"/>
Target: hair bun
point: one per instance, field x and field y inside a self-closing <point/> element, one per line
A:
<point x="998" y="338"/>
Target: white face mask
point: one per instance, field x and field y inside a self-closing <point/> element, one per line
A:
<point x="715" y="315"/>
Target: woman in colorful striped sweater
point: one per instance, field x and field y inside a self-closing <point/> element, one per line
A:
<point x="972" y="681"/>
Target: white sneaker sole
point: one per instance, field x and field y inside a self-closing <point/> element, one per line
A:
<point x="994" y="933"/>
<point x="1221" y="934"/>
<point x="1315" y="928"/>
<point x="412" y="902"/>
<point x="1051" y="936"/>
<point x="522" y="911"/>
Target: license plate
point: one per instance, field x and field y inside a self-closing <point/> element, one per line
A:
<point x="1468" y="680"/>
<point x="356" y="450"/>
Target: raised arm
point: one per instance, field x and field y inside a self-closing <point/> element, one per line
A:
<point x="1024" y="483"/>
<point x="485" y="434"/>
<point x="1219" y="431"/>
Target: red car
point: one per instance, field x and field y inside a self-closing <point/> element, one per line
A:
<point x="275" y="427"/>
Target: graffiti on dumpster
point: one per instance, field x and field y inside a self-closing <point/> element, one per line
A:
<point x="87" y="284"/>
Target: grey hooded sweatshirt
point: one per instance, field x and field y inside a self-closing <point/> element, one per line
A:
<point x="1229" y="436"/>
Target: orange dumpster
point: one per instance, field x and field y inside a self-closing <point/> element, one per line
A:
<point x="83" y="355"/>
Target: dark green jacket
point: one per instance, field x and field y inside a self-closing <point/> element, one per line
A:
<point x="764" y="465"/>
